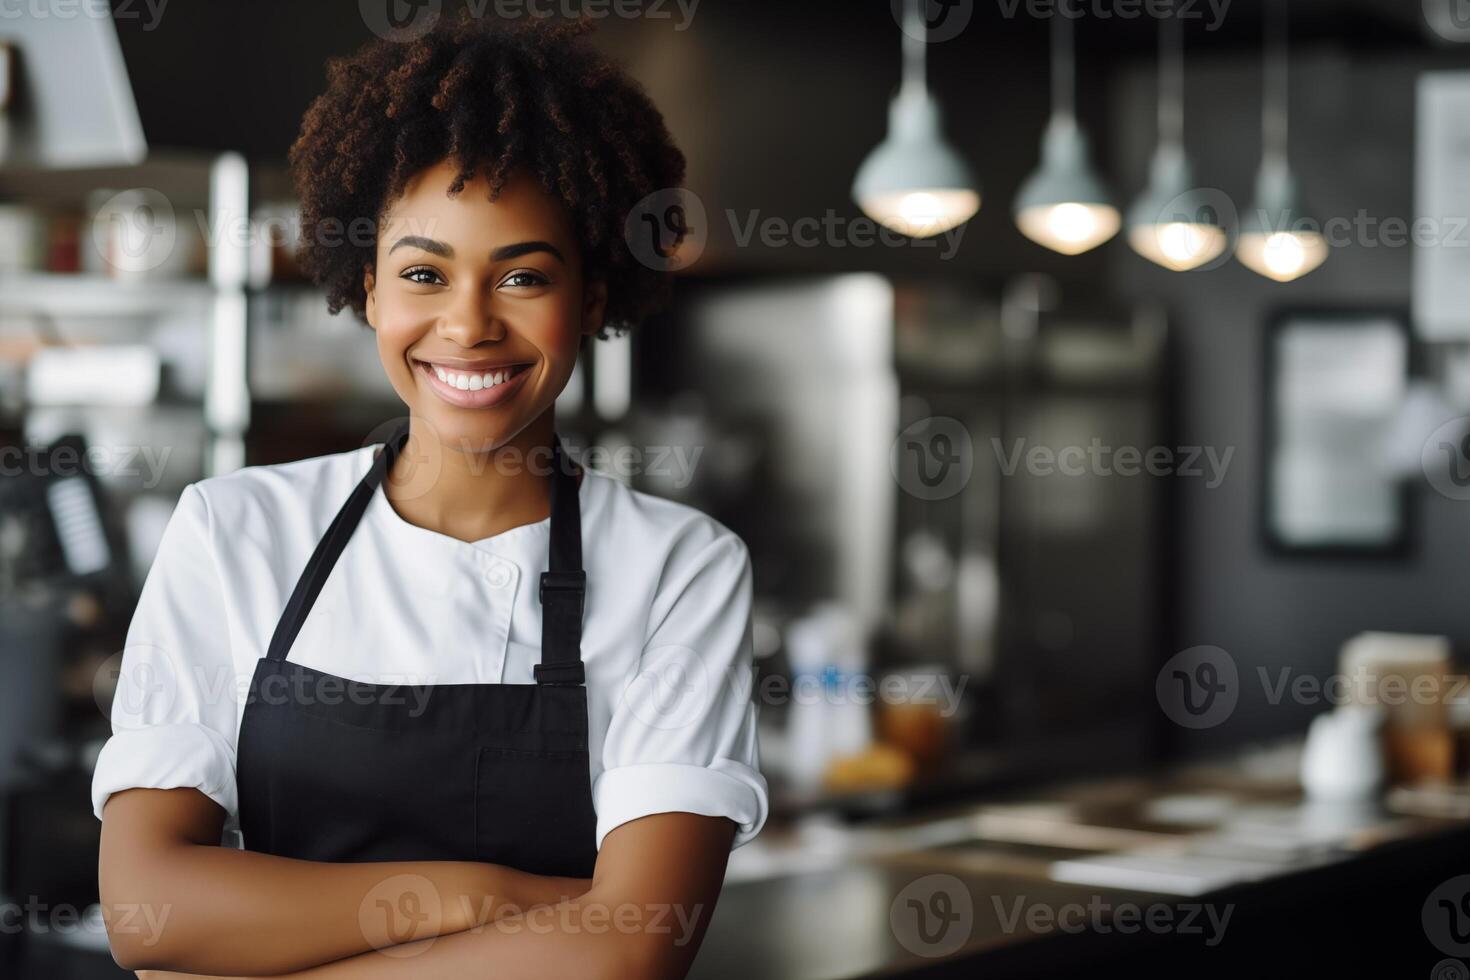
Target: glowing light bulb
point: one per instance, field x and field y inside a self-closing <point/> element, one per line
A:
<point x="1069" y="228"/>
<point x="1281" y="255"/>
<point x="920" y="209"/>
<point x="922" y="213"/>
<point x="1072" y="222"/>
<point x="1178" y="245"/>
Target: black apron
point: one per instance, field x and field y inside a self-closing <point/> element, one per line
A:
<point x="331" y="769"/>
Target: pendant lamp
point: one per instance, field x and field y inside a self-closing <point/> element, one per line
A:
<point x="914" y="182"/>
<point x="1277" y="239"/>
<point x="1063" y="205"/>
<point x="1173" y="222"/>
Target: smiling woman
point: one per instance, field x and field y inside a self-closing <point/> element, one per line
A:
<point x="479" y="304"/>
<point x="582" y="751"/>
<point x="527" y="94"/>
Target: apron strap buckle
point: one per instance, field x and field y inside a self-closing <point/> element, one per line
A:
<point x="563" y="594"/>
<point x="574" y="674"/>
<point x="568" y="587"/>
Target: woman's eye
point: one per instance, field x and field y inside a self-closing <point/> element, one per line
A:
<point x="525" y="280"/>
<point x="424" y="276"/>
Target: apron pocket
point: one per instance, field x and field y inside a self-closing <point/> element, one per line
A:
<point x="533" y="811"/>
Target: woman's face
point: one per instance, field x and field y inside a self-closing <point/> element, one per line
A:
<point x="479" y="306"/>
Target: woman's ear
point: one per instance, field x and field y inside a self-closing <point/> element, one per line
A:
<point x="371" y="310"/>
<point x="594" y="306"/>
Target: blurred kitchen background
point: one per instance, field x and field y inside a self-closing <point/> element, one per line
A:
<point x="1123" y="504"/>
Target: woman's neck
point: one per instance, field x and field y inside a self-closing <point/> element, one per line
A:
<point x="472" y="495"/>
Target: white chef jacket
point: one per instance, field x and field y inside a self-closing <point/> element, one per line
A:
<point x="666" y="634"/>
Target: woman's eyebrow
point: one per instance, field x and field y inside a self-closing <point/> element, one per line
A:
<point x="504" y="252"/>
<point x="433" y="246"/>
<point x="526" y="248"/>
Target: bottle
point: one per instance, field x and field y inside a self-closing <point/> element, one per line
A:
<point x="829" y="716"/>
<point x="1343" y="757"/>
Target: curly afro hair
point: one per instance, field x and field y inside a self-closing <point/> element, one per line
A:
<point x="493" y="96"/>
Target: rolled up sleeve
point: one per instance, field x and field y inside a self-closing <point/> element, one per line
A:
<point x="174" y="711"/>
<point x="682" y="737"/>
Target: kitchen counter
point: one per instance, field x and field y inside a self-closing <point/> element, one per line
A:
<point x="1226" y="872"/>
<point x="1240" y="875"/>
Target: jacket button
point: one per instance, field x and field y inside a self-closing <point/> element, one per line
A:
<point x="499" y="576"/>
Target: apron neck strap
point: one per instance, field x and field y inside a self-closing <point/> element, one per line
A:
<point x="563" y="585"/>
<point x="329" y="548"/>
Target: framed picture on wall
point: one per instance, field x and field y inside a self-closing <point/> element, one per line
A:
<point x="1441" y="269"/>
<point x="1334" y="382"/>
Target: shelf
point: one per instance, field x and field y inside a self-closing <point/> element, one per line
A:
<point x="77" y="295"/>
<point x="183" y="310"/>
<point x="183" y="174"/>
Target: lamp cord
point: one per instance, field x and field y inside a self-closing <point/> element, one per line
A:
<point x="1063" y="63"/>
<point x="915" y="43"/>
<point x="1274" y="85"/>
<point x="1171" y="79"/>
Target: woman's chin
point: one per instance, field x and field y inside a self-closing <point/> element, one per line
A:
<point x="469" y="435"/>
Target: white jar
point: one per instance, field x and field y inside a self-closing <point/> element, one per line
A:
<point x="1343" y="758"/>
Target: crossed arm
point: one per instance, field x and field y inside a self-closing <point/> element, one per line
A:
<point x="177" y="903"/>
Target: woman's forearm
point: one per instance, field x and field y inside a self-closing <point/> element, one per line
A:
<point x="175" y="900"/>
<point x="653" y="896"/>
<point x="588" y="938"/>
<point x="217" y="910"/>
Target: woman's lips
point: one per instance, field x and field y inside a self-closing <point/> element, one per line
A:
<point x="485" y="397"/>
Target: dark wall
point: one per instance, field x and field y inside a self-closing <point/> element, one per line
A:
<point x="776" y="104"/>
<point x="1352" y="142"/>
<point x="230" y="75"/>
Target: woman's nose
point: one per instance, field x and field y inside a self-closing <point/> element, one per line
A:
<point x="472" y="318"/>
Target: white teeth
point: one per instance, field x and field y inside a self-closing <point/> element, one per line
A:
<point x="472" y="382"/>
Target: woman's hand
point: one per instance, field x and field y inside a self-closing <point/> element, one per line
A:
<point x="175" y="900"/>
<point x="653" y="895"/>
